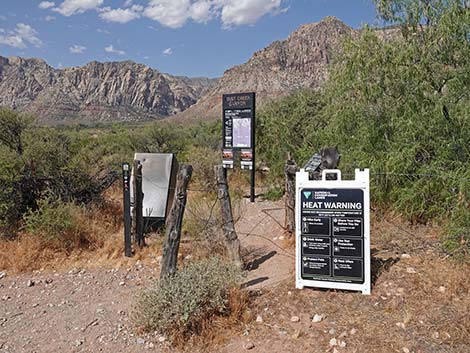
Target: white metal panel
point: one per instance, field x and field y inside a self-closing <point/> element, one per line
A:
<point x="156" y="176"/>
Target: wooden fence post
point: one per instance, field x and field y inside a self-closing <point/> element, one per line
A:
<point x="289" y="171"/>
<point x="231" y="239"/>
<point x="174" y="222"/>
<point x="137" y="216"/>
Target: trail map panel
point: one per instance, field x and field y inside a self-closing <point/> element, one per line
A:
<point x="332" y="235"/>
<point x="238" y="120"/>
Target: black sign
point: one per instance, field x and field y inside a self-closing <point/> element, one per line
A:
<point x="238" y="120"/>
<point x="332" y="235"/>
<point x="126" y="178"/>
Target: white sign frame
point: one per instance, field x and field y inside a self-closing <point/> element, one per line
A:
<point x="361" y="182"/>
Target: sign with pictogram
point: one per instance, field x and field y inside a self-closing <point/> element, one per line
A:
<point x="333" y="232"/>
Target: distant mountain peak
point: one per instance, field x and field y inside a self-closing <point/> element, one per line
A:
<point x="299" y="61"/>
<point x="95" y="92"/>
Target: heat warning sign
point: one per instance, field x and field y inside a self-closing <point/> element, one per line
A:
<point x="332" y="235"/>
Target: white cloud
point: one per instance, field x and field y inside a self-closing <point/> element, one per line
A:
<point x="244" y="12"/>
<point x="121" y="15"/>
<point x="170" y="13"/>
<point x="49" y="18"/>
<point x="77" y="49"/>
<point x="104" y="31"/>
<point x="72" y="7"/>
<point x="20" y="36"/>
<point x="175" y="13"/>
<point x="168" y="51"/>
<point x="110" y="49"/>
<point x="46" y="4"/>
<point x="128" y="3"/>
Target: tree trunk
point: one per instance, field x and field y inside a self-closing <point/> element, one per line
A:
<point x="289" y="171"/>
<point x="137" y="216"/>
<point x="174" y="222"/>
<point x="231" y="239"/>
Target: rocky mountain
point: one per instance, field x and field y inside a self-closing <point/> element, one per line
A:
<point x="300" y="61"/>
<point x="96" y="92"/>
<point x="126" y="91"/>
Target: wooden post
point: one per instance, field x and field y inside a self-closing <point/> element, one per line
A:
<point x="289" y="171"/>
<point x="174" y="222"/>
<point x="137" y="216"/>
<point x="231" y="239"/>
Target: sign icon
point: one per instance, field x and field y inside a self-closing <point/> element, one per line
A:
<point x="307" y="194"/>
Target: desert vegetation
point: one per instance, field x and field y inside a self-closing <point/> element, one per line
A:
<point x="398" y="105"/>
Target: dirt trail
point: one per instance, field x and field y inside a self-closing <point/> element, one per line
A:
<point x="419" y="301"/>
<point x="87" y="310"/>
<point x="261" y="233"/>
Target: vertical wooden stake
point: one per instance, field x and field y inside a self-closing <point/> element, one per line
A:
<point x="290" y="170"/>
<point x="137" y="216"/>
<point x="174" y="222"/>
<point x="231" y="238"/>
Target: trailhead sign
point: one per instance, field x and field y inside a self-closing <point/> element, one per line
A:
<point x="238" y="133"/>
<point x="333" y="232"/>
<point x="238" y="128"/>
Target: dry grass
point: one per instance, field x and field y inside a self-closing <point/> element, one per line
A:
<point x="420" y="301"/>
<point x="98" y="235"/>
<point x="216" y="330"/>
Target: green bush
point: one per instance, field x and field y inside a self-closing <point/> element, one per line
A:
<point x="400" y="107"/>
<point x="179" y="304"/>
<point x="60" y="224"/>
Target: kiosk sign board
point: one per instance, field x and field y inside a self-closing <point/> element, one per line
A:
<point x="239" y="127"/>
<point x="238" y="133"/>
<point x="333" y="232"/>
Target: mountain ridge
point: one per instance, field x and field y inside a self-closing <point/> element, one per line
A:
<point x="129" y="91"/>
<point x="95" y="92"/>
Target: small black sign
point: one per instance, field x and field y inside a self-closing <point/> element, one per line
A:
<point x="332" y="233"/>
<point x="316" y="245"/>
<point x="316" y="225"/>
<point x="316" y="266"/>
<point x="347" y="268"/>
<point x="238" y="120"/>
<point x="347" y="247"/>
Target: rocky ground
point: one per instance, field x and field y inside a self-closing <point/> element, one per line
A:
<point x="420" y="300"/>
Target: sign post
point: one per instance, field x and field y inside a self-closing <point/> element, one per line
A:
<point x="238" y="119"/>
<point x="333" y="231"/>
<point x="127" y="208"/>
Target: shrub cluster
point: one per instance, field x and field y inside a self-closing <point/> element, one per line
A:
<point x="181" y="304"/>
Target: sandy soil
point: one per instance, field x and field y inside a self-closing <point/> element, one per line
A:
<point x="420" y="301"/>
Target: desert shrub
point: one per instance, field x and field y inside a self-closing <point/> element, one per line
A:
<point x="38" y="160"/>
<point x="61" y="225"/>
<point x="180" y="305"/>
<point x="203" y="160"/>
<point x="400" y="107"/>
<point x="274" y="193"/>
<point x="289" y="125"/>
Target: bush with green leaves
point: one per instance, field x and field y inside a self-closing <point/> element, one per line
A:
<point x="36" y="160"/>
<point x="178" y="304"/>
<point x="59" y="224"/>
<point x="399" y="106"/>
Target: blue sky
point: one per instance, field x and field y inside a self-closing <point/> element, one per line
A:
<point x="180" y="37"/>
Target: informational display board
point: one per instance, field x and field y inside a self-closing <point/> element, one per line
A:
<point x="158" y="183"/>
<point x="333" y="231"/>
<point x="238" y="128"/>
<point x="238" y="133"/>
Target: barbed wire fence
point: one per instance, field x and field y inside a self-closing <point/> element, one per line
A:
<point x="211" y="224"/>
